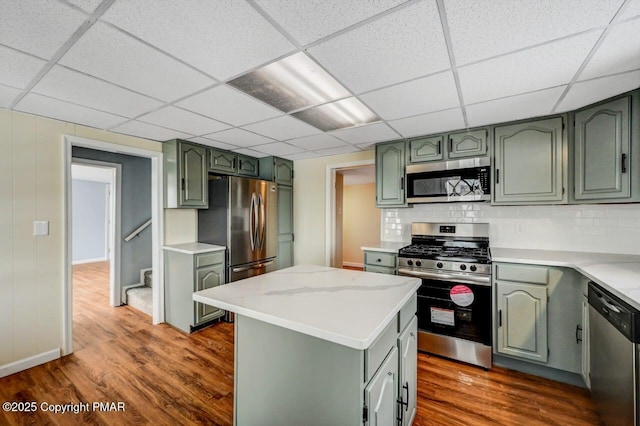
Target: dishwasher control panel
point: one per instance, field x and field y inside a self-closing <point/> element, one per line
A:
<point x="621" y="315"/>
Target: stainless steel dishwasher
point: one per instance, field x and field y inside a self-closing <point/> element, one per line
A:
<point x="614" y="330"/>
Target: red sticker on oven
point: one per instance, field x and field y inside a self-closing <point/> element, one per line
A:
<point x="461" y="295"/>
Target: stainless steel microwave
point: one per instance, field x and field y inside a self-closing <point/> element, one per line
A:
<point x="448" y="181"/>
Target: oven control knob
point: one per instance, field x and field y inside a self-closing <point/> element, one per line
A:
<point x="439" y="265"/>
<point x="463" y="267"/>
<point x="473" y="268"/>
<point x="409" y="262"/>
<point x="418" y="263"/>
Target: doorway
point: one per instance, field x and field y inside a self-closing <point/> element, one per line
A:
<point x="154" y="193"/>
<point x="352" y="217"/>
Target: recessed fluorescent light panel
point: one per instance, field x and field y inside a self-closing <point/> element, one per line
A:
<point x="297" y="83"/>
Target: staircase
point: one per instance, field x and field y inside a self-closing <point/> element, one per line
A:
<point x="141" y="297"/>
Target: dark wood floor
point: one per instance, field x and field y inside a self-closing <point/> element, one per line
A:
<point x="166" y="377"/>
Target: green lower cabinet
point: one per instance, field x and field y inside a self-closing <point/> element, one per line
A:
<point x="408" y="371"/>
<point x="208" y="277"/>
<point x="381" y="394"/>
<point x="380" y="262"/>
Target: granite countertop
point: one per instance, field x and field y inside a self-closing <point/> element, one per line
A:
<point x="350" y="308"/>
<point x="618" y="273"/>
<point x="193" y="248"/>
<point x="387" y="246"/>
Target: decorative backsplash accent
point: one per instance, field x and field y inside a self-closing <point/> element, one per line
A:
<point x="606" y="228"/>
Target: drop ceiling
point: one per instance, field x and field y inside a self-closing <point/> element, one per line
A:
<point x="159" y="70"/>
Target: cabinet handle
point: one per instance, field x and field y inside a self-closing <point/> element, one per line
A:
<point x="233" y="163"/>
<point x="497" y="176"/>
<point x="400" y="415"/>
<point x="578" y="334"/>
<point x="182" y="184"/>
<point x="624" y="163"/>
<point x="239" y="164"/>
<point x="379" y="260"/>
<point x="439" y="148"/>
<point x="450" y="145"/>
<point x="406" y="387"/>
<point x="402" y="182"/>
<point x="500" y="318"/>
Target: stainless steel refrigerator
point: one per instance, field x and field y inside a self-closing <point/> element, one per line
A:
<point x="242" y="216"/>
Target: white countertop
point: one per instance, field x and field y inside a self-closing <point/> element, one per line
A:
<point x="350" y="308"/>
<point x="388" y="246"/>
<point x="619" y="273"/>
<point x="193" y="248"/>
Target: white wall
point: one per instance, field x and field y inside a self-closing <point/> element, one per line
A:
<point x="606" y="228"/>
<point x="89" y="221"/>
<point x="32" y="268"/>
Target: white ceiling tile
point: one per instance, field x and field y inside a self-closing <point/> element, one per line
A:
<point x="301" y="156"/>
<point x="8" y="95"/>
<point x="17" y="69"/>
<point x="339" y="150"/>
<point x="250" y="152"/>
<point x="278" y="148"/>
<point x="428" y="94"/>
<point x="405" y="44"/>
<point x="229" y="105"/>
<point x="103" y="50"/>
<point x="315" y="142"/>
<point x="239" y="137"/>
<point x="215" y="144"/>
<point x="620" y="51"/>
<point x="60" y="110"/>
<point x="585" y="93"/>
<point x="222" y="38"/>
<point x="283" y="128"/>
<point x="87" y="5"/>
<point x="540" y="67"/>
<point x="184" y="121"/>
<point x="308" y="21"/>
<point x="486" y="28"/>
<point x="77" y="88"/>
<point x="633" y="9"/>
<point x="37" y="27"/>
<point x="514" y="108"/>
<point x="377" y="132"/>
<point x="149" y="131"/>
<point x="429" y="123"/>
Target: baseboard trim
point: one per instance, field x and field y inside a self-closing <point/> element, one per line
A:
<point x="80" y="262"/>
<point x="353" y="264"/>
<point x="26" y="363"/>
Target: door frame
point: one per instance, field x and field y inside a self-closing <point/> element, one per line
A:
<point x="330" y="212"/>
<point x="157" y="226"/>
<point x="113" y="243"/>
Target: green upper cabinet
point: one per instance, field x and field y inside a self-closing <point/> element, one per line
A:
<point x="602" y="146"/>
<point x="185" y="175"/>
<point x="226" y="162"/>
<point x="221" y="161"/>
<point x="529" y="162"/>
<point x="279" y="170"/>
<point x="426" y="149"/>
<point x="390" y="174"/>
<point x="468" y="144"/>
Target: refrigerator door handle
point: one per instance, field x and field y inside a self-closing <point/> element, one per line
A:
<point x="258" y="266"/>
<point x="252" y="221"/>
<point x="263" y="221"/>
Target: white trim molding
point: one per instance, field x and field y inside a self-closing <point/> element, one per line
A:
<point x="25" y="363"/>
<point x="80" y="262"/>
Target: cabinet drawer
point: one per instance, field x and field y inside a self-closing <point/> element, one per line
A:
<point x="380" y="259"/>
<point x="524" y="274"/>
<point x="408" y="312"/>
<point x="380" y="269"/>
<point x="379" y="349"/>
<point x="207" y="259"/>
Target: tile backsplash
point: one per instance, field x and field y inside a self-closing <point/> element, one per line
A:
<point x="606" y="228"/>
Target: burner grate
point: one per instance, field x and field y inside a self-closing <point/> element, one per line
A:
<point x="441" y="252"/>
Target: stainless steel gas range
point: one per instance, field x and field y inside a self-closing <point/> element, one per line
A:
<point x="454" y="301"/>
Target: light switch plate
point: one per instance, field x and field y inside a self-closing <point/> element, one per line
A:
<point x="40" y="228"/>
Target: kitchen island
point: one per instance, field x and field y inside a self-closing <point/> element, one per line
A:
<point x="318" y="345"/>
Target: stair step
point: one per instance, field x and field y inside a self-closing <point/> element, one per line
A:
<point x="141" y="298"/>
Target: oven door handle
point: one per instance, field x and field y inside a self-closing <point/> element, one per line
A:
<point x="465" y="279"/>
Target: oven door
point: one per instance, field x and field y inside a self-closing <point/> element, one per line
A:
<point x="456" y="309"/>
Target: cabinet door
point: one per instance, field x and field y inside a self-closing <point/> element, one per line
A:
<point x="390" y="174"/>
<point x="381" y="394"/>
<point x="528" y="162"/>
<point x="247" y="166"/>
<point x="208" y="277"/>
<point x="602" y="145"/>
<point x="586" y="359"/>
<point x="468" y="144"/>
<point x="193" y="175"/>
<point x="285" y="226"/>
<point x="282" y="171"/>
<point x="522" y="320"/>
<point x="426" y="149"/>
<point x="222" y="161"/>
<point x="408" y="370"/>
